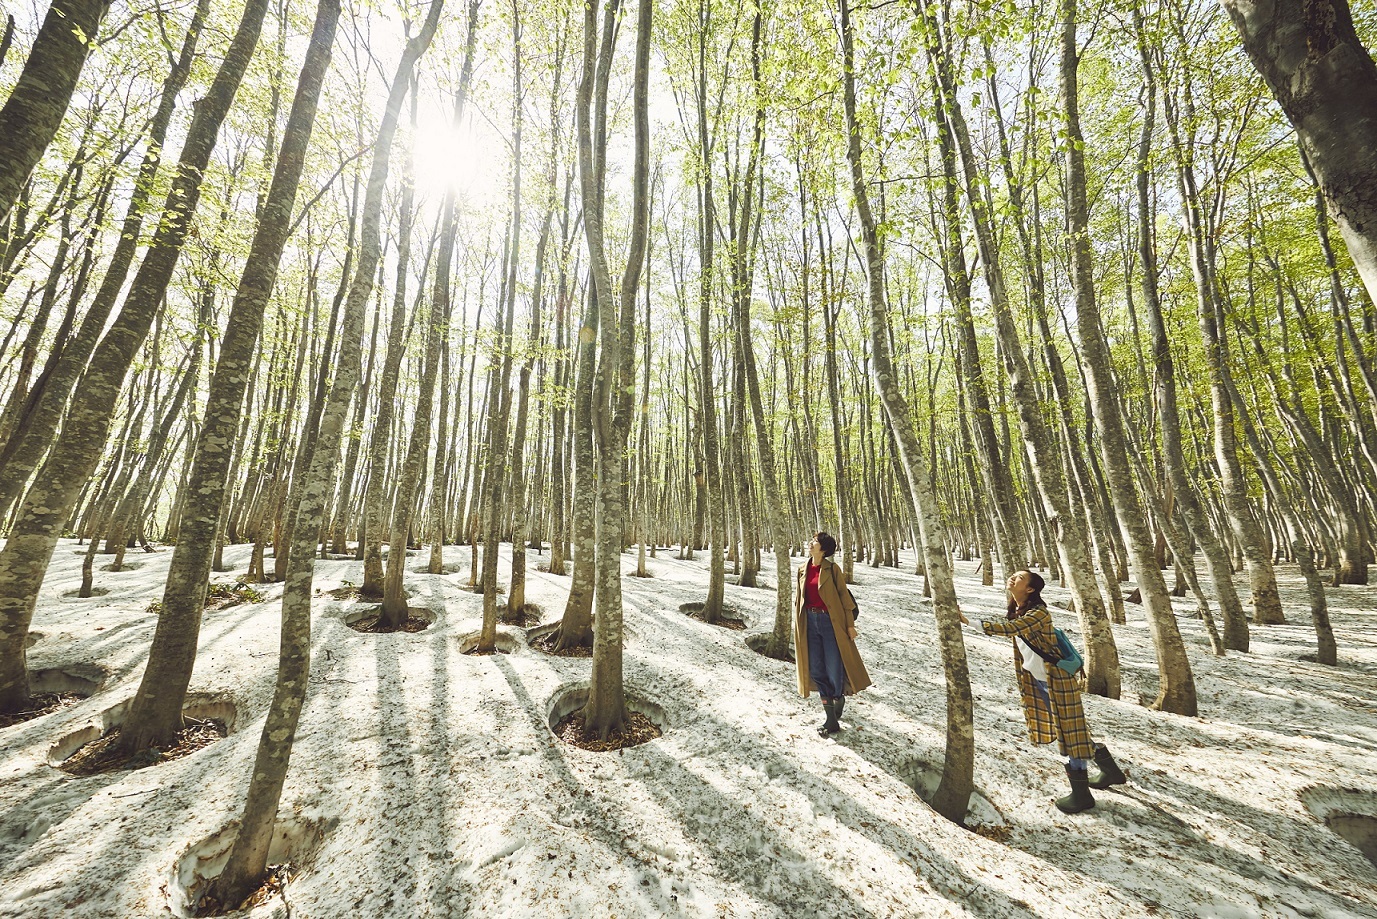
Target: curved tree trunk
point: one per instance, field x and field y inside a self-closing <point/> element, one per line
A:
<point x="248" y="856"/>
<point x="36" y="106"/>
<point x="1311" y="58"/>
<point x="954" y="789"/>
<point x="47" y="403"/>
<point x="156" y="714"/>
<point x="1048" y="473"/>
<point x="1177" y="688"/>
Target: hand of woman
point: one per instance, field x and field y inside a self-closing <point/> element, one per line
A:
<point x="851" y="630"/>
<point x="964" y="620"/>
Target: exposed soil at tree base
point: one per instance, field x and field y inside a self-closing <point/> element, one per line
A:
<point x="638" y="730"/>
<point x="101" y="756"/>
<point x="528" y="615"/>
<point x="728" y="621"/>
<point x="374" y="625"/>
<point x="40" y="704"/>
<point x="735" y="625"/>
<point x="274" y="882"/>
<point x="995" y="833"/>
<point x="546" y="643"/>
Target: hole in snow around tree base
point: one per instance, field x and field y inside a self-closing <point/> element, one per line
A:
<point x="75" y="593"/>
<point x="54" y="689"/>
<point x="1350" y="813"/>
<point x="732" y="618"/>
<point x="78" y="679"/>
<point x="759" y="641"/>
<point x="369" y="620"/>
<point x="982" y="816"/>
<point x="645" y="722"/>
<point x="505" y="642"/>
<point x="295" y="842"/>
<point x="199" y="709"/>
<point x="530" y="614"/>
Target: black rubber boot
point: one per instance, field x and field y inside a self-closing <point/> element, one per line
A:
<point x="840" y="704"/>
<point x="830" y="726"/>
<point x="1108" y="772"/>
<point x="1080" y="798"/>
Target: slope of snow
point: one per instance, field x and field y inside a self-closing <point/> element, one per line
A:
<point x="426" y="782"/>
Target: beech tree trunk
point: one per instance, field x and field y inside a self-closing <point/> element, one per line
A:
<point x="248" y="856"/>
<point x="47" y="402"/>
<point x="46" y="507"/>
<point x="1177" y="688"/>
<point x="776" y="514"/>
<point x="1235" y="636"/>
<point x="394" y="606"/>
<point x="36" y="106"/>
<point x="1044" y="458"/>
<point x="952" y="796"/>
<point x="605" y="712"/>
<point x="1326" y="82"/>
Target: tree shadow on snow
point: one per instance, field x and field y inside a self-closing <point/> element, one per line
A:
<point x="674" y="785"/>
<point x="607" y="830"/>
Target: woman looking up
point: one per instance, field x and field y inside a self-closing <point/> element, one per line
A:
<point x="1051" y="696"/>
<point x="825" y="633"/>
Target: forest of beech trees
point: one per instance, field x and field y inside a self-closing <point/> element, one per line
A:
<point x="1087" y="287"/>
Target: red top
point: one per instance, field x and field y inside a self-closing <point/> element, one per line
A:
<point x="811" y="597"/>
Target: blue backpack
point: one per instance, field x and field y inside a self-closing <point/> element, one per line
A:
<point x="1065" y="656"/>
<point x="1071" y="660"/>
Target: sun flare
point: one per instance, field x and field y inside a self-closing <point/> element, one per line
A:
<point x="450" y="158"/>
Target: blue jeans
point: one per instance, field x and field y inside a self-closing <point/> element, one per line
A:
<point x="824" y="657"/>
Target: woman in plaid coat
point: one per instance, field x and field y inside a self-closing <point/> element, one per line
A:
<point x="1051" y="696"/>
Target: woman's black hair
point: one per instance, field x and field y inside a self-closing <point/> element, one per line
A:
<point x="827" y="541"/>
<point x="1034" y="598"/>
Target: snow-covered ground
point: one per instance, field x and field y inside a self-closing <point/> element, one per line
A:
<point x="427" y="782"/>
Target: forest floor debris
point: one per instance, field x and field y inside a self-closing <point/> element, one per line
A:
<point x="638" y="730"/>
<point x="40" y="704"/>
<point x="103" y="755"/>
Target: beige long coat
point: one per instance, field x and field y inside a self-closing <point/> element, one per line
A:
<point x="831" y="582"/>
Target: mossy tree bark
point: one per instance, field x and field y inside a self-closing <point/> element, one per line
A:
<point x="35" y="108"/>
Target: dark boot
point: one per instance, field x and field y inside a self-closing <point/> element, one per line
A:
<point x="1108" y="772"/>
<point x="1080" y="798"/>
<point x="830" y="726"/>
<point x="840" y="705"/>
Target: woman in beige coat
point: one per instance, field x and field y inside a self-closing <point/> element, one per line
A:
<point x="825" y="633"/>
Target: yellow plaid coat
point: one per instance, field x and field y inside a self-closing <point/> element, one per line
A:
<point x="1064" y="718"/>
